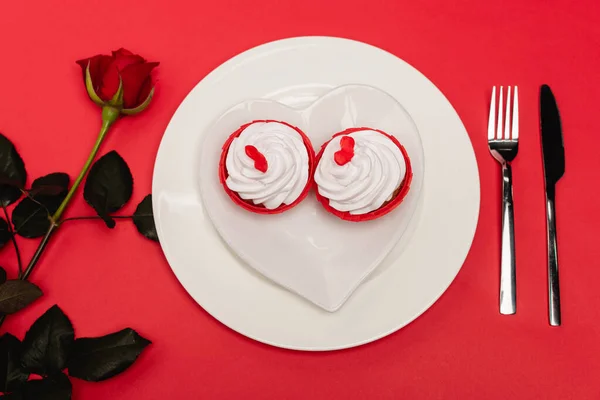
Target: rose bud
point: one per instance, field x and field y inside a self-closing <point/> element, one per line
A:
<point x="120" y="83"/>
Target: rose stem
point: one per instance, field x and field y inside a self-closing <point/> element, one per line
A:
<point x="109" y="116"/>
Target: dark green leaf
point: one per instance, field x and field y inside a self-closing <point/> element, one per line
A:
<point x="51" y="184"/>
<point x="143" y="218"/>
<point x="5" y="233"/>
<point x="97" y="359"/>
<point x="11" y="372"/>
<point x="31" y="217"/>
<point x="2" y="275"/>
<point x="48" y="342"/>
<point x="12" y="172"/>
<point x="108" y="186"/>
<point x="17" y="294"/>
<point x="56" y="387"/>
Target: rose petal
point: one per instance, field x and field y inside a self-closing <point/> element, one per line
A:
<point x="134" y="77"/>
<point x="98" y="65"/>
<point x="144" y="91"/>
<point x="125" y="58"/>
<point x="110" y="82"/>
<point x="121" y="52"/>
<point x="123" y="62"/>
<point x="83" y="64"/>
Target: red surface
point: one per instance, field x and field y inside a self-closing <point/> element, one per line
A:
<point x="387" y="207"/>
<point x="248" y="205"/>
<point x="461" y="348"/>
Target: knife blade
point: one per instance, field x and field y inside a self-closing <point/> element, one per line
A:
<point x="554" y="168"/>
<point x="552" y="139"/>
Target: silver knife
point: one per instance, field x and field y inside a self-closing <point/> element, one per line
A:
<point x="554" y="168"/>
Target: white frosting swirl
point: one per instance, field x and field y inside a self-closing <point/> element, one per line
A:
<point x="370" y="179"/>
<point x="287" y="159"/>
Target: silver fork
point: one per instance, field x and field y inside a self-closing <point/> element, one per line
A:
<point x="504" y="149"/>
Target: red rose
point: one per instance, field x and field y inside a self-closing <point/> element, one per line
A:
<point x="133" y="70"/>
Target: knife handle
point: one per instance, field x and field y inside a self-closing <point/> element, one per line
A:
<point x="508" y="279"/>
<point x="553" y="286"/>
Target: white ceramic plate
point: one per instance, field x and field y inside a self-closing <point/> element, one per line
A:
<point x="306" y="249"/>
<point x="417" y="271"/>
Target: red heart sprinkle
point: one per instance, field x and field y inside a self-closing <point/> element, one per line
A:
<point x="345" y="154"/>
<point x="342" y="158"/>
<point x="347" y="143"/>
<point x="260" y="162"/>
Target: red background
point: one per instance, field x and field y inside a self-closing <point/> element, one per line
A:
<point x="461" y="348"/>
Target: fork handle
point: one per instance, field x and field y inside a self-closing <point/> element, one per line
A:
<point x="508" y="279"/>
<point x="553" y="287"/>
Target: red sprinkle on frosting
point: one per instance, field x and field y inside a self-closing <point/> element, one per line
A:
<point x="260" y="162"/>
<point x="345" y="154"/>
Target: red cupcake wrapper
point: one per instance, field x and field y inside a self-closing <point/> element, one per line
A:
<point x="260" y="209"/>
<point x="387" y="207"/>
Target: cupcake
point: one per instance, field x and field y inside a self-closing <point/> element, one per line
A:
<point x="267" y="166"/>
<point x="362" y="174"/>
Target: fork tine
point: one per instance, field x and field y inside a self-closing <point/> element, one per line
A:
<point x="499" y="134"/>
<point x="507" y="119"/>
<point x="515" y="120"/>
<point x="492" y="117"/>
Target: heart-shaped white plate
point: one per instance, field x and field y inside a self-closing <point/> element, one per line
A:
<point x="307" y="250"/>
